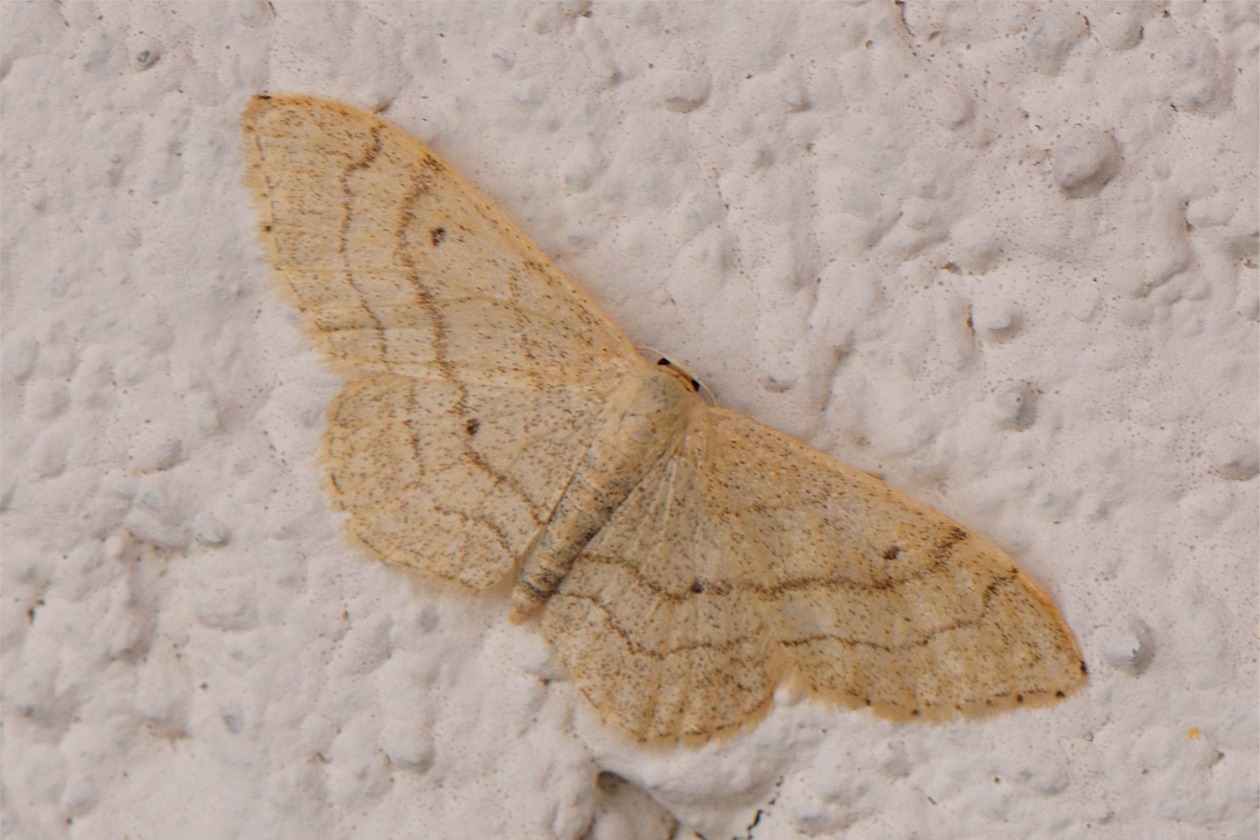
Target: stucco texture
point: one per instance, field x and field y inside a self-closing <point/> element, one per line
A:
<point x="1002" y="254"/>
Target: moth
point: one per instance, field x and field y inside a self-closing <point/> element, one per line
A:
<point x="683" y="560"/>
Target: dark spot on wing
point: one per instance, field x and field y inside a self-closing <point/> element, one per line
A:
<point x="437" y="235"/>
<point x="472" y="426"/>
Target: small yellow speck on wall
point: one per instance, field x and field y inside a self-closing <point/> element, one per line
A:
<point x="683" y="560"/>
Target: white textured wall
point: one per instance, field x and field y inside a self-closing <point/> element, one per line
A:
<point x="1004" y="254"/>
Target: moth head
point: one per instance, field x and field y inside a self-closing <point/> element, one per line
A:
<point x="683" y="374"/>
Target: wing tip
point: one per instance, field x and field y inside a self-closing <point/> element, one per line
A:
<point x="260" y="105"/>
